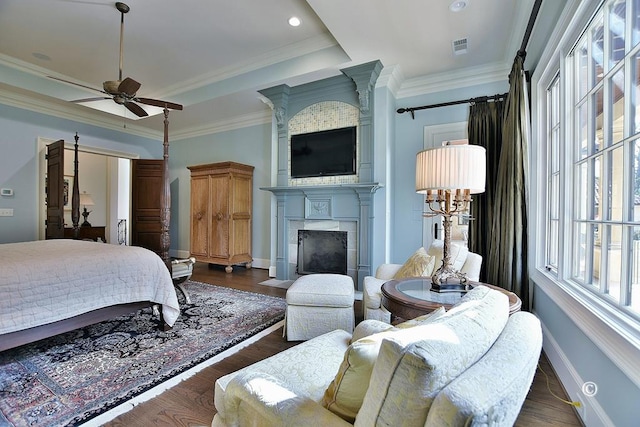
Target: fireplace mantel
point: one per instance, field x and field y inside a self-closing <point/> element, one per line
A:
<point x="342" y="202"/>
<point x="315" y="189"/>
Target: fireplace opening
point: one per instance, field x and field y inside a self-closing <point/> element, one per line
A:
<point x="321" y="251"/>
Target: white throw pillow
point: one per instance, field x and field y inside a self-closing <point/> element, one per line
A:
<point x="414" y="364"/>
<point x="458" y="254"/>
<point x="345" y="393"/>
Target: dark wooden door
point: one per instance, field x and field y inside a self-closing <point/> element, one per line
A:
<point x="146" y="193"/>
<point x="55" y="191"/>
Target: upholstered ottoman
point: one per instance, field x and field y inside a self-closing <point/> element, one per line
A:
<point x="319" y="303"/>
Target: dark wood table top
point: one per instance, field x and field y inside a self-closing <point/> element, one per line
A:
<point x="412" y="297"/>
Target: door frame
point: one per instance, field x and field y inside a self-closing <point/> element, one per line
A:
<point x="41" y="147"/>
<point x="434" y="136"/>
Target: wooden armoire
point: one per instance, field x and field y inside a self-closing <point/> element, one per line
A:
<point x="221" y="200"/>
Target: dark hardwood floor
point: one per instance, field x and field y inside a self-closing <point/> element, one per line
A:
<point x="190" y="403"/>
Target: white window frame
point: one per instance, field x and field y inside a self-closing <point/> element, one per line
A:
<point x="616" y="333"/>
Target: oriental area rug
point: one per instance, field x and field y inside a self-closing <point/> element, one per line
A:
<point x="75" y="377"/>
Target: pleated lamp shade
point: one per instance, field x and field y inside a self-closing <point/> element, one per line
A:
<point x="451" y="167"/>
<point x="86" y="200"/>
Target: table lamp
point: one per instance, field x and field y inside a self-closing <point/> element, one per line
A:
<point x="448" y="175"/>
<point x="85" y="200"/>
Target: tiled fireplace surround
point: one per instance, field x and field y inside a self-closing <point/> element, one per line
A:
<point x="341" y="203"/>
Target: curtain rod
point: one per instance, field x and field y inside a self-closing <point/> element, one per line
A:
<point x="446" y="104"/>
<point x="527" y="34"/>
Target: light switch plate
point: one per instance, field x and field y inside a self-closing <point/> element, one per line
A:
<point x="6" y="212"/>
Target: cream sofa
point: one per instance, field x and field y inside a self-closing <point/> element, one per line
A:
<point x="463" y="261"/>
<point x="472" y="365"/>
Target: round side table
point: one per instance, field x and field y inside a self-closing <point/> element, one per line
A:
<point x="412" y="297"/>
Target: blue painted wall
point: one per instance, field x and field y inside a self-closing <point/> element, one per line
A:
<point x="251" y="146"/>
<point x="408" y="139"/>
<point x="19" y="161"/>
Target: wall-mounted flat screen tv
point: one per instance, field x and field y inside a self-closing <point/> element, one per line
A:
<point x="324" y="153"/>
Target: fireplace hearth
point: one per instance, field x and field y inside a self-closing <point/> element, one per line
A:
<point x="321" y="251"/>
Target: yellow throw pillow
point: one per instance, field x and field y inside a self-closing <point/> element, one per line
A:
<point x="418" y="264"/>
<point x="346" y="392"/>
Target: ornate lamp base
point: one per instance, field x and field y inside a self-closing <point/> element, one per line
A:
<point x="440" y="280"/>
<point x="85" y="215"/>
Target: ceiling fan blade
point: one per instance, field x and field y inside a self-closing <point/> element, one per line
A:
<point x="129" y="86"/>
<point x="158" y="103"/>
<point x="98" y="98"/>
<point x="136" y="109"/>
<point x="76" y="84"/>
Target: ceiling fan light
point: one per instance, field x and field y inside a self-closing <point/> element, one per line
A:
<point x="111" y="86"/>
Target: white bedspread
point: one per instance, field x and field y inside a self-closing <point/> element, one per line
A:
<point x="50" y="280"/>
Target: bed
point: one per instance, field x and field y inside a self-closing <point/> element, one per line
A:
<point x="53" y="286"/>
<point x="48" y="281"/>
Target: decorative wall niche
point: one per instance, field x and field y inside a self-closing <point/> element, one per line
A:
<point x="323" y="116"/>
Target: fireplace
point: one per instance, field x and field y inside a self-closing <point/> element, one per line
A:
<point x="344" y="207"/>
<point x="322" y="251"/>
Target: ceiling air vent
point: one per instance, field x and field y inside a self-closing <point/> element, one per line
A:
<point x="460" y="46"/>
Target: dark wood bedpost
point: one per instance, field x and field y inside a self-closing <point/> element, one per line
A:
<point x="75" y="195"/>
<point x="165" y="198"/>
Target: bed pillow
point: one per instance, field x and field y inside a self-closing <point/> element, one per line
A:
<point x="346" y="392"/>
<point x="418" y="264"/>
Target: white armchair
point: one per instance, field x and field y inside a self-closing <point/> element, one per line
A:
<point x="463" y="260"/>
<point x="385" y="375"/>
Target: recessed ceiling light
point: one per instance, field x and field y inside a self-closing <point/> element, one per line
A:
<point x="458" y="5"/>
<point x="294" y="21"/>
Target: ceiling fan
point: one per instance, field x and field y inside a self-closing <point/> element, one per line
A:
<point x="123" y="92"/>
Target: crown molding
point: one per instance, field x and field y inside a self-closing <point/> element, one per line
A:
<point x="518" y="27"/>
<point x="391" y="77"/>
<point x="295" y="50"/>
<point x="239" y="122"/>
<point x="75" y="114"/>
<point x="456" y="79"/>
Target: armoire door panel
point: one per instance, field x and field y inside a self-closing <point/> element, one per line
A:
<point x="241" y="195"/>
<point x="219" y="241"/>
<point x="200" y="216"/>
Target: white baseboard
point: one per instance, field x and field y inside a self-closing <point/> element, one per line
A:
<point x="260" y="263"/>
<point x="590" y="411"/>
<point x="272" y="271"/>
